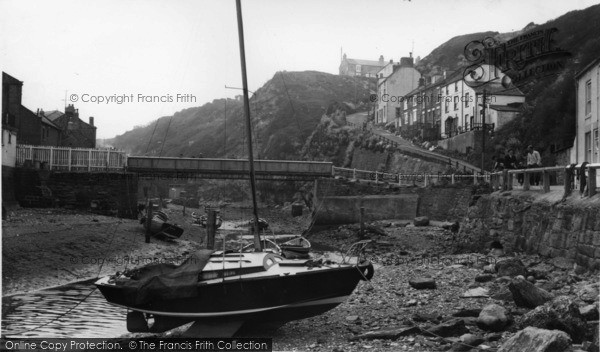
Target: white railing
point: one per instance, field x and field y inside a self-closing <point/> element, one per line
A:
<point x="505" y="180"/>
<point x="70" y="159"/>
<point x="452" y="162"/>
<point x="407" y="179"/>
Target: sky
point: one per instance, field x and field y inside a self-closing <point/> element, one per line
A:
<point x="93" y="53"/>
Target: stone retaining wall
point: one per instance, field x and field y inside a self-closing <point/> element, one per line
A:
<point x="535" y="223"/>
<point x="437" y="203"/>
<point x="108" y="193"/>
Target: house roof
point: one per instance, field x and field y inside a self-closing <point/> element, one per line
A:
<point x="504" y="108"/>
<point x="46" y="121"/>
<point x="10" y="80"/>
<point x="367" y="62"/>
<point x="498" y="89"/>
<point x="588" y="67"/>
<point x="53" y="115"/>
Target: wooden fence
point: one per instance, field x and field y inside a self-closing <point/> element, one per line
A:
<point x="70" y="159"/>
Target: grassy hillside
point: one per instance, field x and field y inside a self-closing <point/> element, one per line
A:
<point x="285" y="111"/>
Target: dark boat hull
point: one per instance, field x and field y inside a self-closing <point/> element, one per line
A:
<point x="295" y="252"/>
<point x="259" y="299"/>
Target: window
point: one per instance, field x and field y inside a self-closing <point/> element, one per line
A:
<point x="456" y="86"/>
<point x="397" y="112"/>
<point x="456" y="99"/>
<point x="9" y="138"/>
<point x="597" y="146"/>
<point x="358" y="69"/>
<point x="467" y="100"/>
<point x="414" y="115"/>
<point x="588" y="147"/>
<point x="588" y="98"/>
<point x="447" y="90"/>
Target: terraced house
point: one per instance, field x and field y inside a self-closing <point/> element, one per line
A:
<point x="395" y="80"/>
<point x="587" y="144"/>
<point x="452" y="104"/>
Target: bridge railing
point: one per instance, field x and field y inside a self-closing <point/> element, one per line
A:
<point x="223" y="168"/>
<point x="562" y="177"/>
<point x="70" y="159"/>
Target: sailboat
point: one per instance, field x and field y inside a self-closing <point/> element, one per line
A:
<point x="232" y="288"/>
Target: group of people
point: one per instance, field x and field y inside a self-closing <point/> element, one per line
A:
<point x="510" y="161"/>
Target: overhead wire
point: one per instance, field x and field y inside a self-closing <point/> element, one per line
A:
<point x="290" y="101"/>
<point x="152" y="136"/>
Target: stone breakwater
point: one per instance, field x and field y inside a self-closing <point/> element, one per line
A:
<point x="538" y="223"/>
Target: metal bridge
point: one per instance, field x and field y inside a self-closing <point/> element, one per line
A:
<point x="152" y="167"/>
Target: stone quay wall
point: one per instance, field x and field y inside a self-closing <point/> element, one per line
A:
<point x="346" y="197"/>
<point x="535" y="223"/>
<point x="107" y="193"/>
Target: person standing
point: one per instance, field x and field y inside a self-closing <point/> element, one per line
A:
<point x="510" y="160"/>
<point x="534" y="160"/>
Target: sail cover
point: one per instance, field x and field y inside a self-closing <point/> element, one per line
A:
<point x="158" y="282"/>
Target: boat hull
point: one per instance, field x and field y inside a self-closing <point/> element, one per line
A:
<point x="295" y="252"/>
<point x="275" y="298"/>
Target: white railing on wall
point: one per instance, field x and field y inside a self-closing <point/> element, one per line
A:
<point x="567" y="177"/>
<point x="70" y="159"/>
<point x="408" y="179"/>
<point x="545" y="178"/>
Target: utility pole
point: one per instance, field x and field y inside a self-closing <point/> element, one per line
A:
<point x="483" y="132"/>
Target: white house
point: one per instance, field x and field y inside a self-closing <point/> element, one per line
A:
<point x="462" y="101"/>
<point x="588" y="114"/>
<point x="391" y="89"/>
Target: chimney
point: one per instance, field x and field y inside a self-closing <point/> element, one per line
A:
<point x="91" y="120"/>
<point x="444" y="74"/>
<point x="381" y="59"/>
<point x="70" y="110"/>
<point x="391" y="61"/>
<point x="406" y="61"/>
<point x="421" y="82"/>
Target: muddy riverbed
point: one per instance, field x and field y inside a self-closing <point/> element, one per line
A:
<point x="50" y="247"/>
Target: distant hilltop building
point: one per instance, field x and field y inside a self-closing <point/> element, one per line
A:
<point x="359" y="67"/>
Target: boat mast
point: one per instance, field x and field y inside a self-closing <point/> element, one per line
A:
<point x="257" y="246"/>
